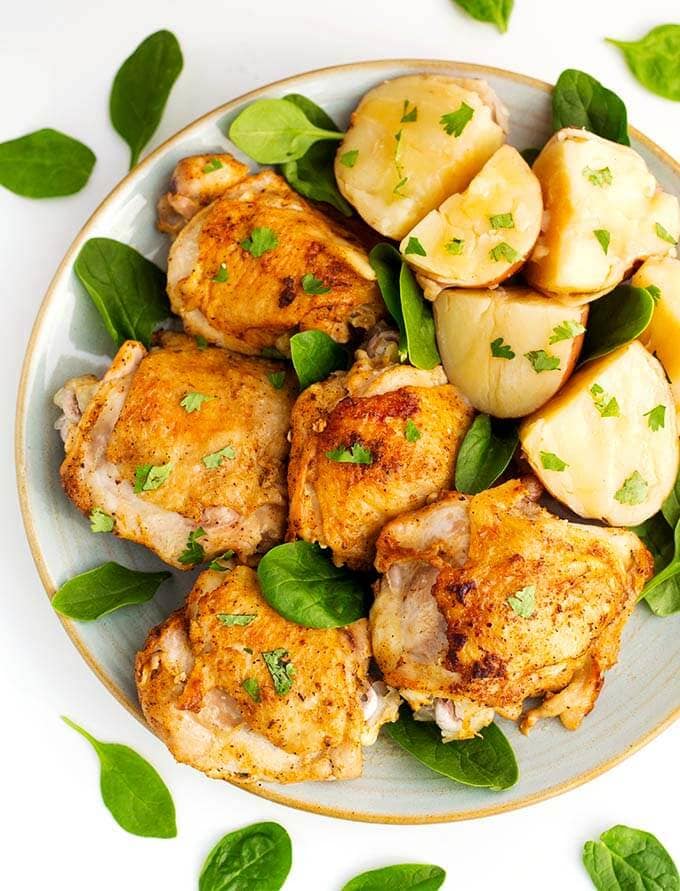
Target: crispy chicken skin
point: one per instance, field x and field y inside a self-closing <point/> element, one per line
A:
<point x="257" y="303"/>
<point x="343" y="506"/>
<point x="190" y="678"/>
<point x="134" y="417"/>
<point x="446" y="634"/>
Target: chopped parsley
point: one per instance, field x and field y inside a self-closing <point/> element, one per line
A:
<point x="409" y="116"/>
<point x="502" y="221"/>
<point x="100" y="521"/>
<point x="276" y="379"/>
<point x="201" y="342"/>
<point x="503" y="251"/>
<point x="357" y="454"/>
<point x="213" y="164"/>
<point x="541" y="360"/>
<point x="605" y="403"/>
<point x="194" y="551"/>
<point x="456" y="121"/>
<point x="455" y="246"/>
<point x="397" y="190"/>
<point x="633" y="491"/>
<point x="551" y="461"/>
<point x="313" y="285"/>
<point x="222" y="274"/>
<point x="221" y="564"/>
<point x="151" y="476"/>
<point x="566" y="330"/>
<point x="193" y="401"/>
<point x="656" y="418"/>
<point x="415" y="247"/>
<point x="236" y="618"/>
<point x="523" y="602"/>
<point x="411" y="432"/>
<point x="252" y="688"/>
<point x="603" y="237"/>
<point x="281" y="669"/>
<point x="602" y="177"/>
<point x="260" y="240"/>
<point x="215" y="458"/>
<point x="664" y="234"/>
<point x="500" y="350"/>
<point x="349" y="159"/>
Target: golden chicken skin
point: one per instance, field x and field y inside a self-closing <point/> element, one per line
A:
<point x="181" y="449"/>
<point x="260" y="263"/>
<point x="488" y="600"/>
<point x="367" y="445"/>
<point x="239" y="692"/>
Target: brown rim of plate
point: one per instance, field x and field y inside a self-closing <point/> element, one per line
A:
<point x="48" y="583"/>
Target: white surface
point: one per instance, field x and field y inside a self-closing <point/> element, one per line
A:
<point x="56" y="64"/>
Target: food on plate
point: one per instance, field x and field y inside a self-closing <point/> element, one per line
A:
<point x="412" y="142"/>
<point x="181" y="449"/>
<point x="662" y="337"/>
<point x="488" y="600"/>
<point x="479" y="237"/>
<point x="260" y="263"/>
<point x="604" y="212"/>
<point x="366" y="445"/>
<point x="510" y="349"/>
<point x="607" y="444"/>
<point x="241" y="693"/>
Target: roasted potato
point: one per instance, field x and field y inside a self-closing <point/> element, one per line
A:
<point x="482" y="235"/>
<point x="411" y="143"/>
<point x="498" y="346"/>
<point x="607" y="444"/>
<point x="604" y="212"/>
<point x="662" y="338"/>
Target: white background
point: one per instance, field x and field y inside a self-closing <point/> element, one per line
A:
<point x="57" y="60"/>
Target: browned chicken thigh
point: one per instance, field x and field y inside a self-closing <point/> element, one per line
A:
<point x="488" y="600"/>
<point x="183" y="449"/>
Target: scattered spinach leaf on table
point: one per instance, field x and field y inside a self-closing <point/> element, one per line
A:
<point x="399" y="877"/>
<point x="616" y="319"/>
<point x="315" y="355"/>
<point x="45" y="164"/>
<point x="485" y="453"/>
<point x="99" y="591"/>
<point x="626" y="859"/>
<point x="655" y="60"/>
<point x="495" y="12"/>
<point x="257" y="856"/>
<point x="578" y="100"/>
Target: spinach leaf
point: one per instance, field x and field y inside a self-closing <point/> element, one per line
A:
<point x="315" y="355"/>
<point x="301" y="583"/>
<point x="484" y="454"/>
<point x="106" y="588"/>
<point x="45" y="164"/>
<point x="257" y="856"/>
<point x="400" y="877"/>
<point x="386" y="262"/>
<point x="616" y="319"/>
<point x="127" y="289"/>
<point x="657" y="536"/>
<point x="626" y="859"/>
<point x="421" y="342"/>
<point x="132" y="790"/>
<point x="579" y="100"/>
<point x="495" y="12"/>
<point x="141" y="88"/>
<point x="662" y="593"/>
<point x="274" y="131"/>
<point x="484" y="761"/>
<point x="671" y="506"/>
<point x="654" y="60"/>
<point x="313" y="175"/>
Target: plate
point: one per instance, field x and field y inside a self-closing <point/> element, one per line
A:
<point x="641" y="695"/>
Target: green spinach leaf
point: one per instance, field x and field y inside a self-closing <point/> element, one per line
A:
<point x="386" y="262"/>
<point x="258" y="857"/>
<point x="495" y="12"/>
<point x="616" y="319"/>
<point x="275" y="131"/>
<point x="671" y="506"/>
<point x="45" y="164"/>
<point x="484" y="454"/>
<point x="654" y="60"/>
<point x="626" y="859"/>
<point x="662" y="593"/>
<point x="98" y="592"/>
<point x="141" y="88"/>
<point x="127" y="289"/>
<point x="400" y="877"/>
<point x="421" y="341"/>
<point x="132" y="790"/>
<point x="301" y="583"/>
<point x="315" y="355"/>
<point x="581" y="101"/>
<point x="485" y="761"/>
<point x="657" y="536"/>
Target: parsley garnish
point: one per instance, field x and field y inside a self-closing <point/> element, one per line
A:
<point x="149" y="476"/>
<point x="664" y="234"/>
<point x="500" y="350"/>
<point x="541" y="360"/>
<point x="399" y="186"/>
<point x="605" y="403"/>
<point x="656" y="418"/>
<point x="260" y="240"/>
<point x="236" y="618"/>
<point x="281" y="670"/>
<point x="455" y="246"/>
<point x="222" y="274"/>
<point x="357" y="454"/>
<point x="349" y="159"/>
<point x="503" y="251"/>
<point x="276" y="379"/>
<point x="634" y="490"/>
<point x="215" y="458"/>
<point x="313" y="285"/>
<point x="603" y="237"/>
<point x="217" y="564"/>
<point x="252" y="688"/>
<point x="409" y="117"/>
<point x="100" y="521"/>
<point x="653" y="292"/>
<point x="502" y="221"/>
<point x="213" y="164"/>
<point x="524" y="601"/>
<point x="201" y="342"/>
<point x="601" y="177"/>
<point x="411" y="432"/>
<point x="456" y="121"/>
<point x="551" y="461"/>
<point x="194" y="551"/>
<point x="415" y="247"/>
<point x="566" y="330"/>
<point x="193" y="401"/>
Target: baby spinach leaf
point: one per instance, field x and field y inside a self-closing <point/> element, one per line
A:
<point x="579" y="100"/>
<point x="400" y="877"/>
<point x="258" y="857"/>
<point x="99" y="591"/>
<point x="132" y="790"/>
<point x="495" y="12"/>
<point x="485" y="761"/>
<point x="315" y="355"/>
<point x="45" y="164"/>
<point x="616" y="319"/>
<point x="301" y="583"/>
<point x="654" y="60"/>
<point x="386" y="262"/>
<point x="626" y="859"/>
<point x="662" y="593"/>
<point x="141" y="88"/>
<point x="657" y="536"/>
<point x="127" y="289"/>
<point x="313" y="175"/>
<point x="421" y="342"/>
<point x="484" y="454"/>
<point x="671" y="506"/>
<point x="274" y="131"/>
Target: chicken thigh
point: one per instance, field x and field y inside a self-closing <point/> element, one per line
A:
<point x="488" y="600"/>
<point x="181" y="449"/>
<point x="239" y="692"/>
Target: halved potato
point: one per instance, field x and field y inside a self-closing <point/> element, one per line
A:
<point x="607" y="444"/>
<point x="411" y="142"/>
<point x="482" y="235"/>
<point x="662" y="337"/>
<point x="488" y="338"/>
<point x="604" y="212"/>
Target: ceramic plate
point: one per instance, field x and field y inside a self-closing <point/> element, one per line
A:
<point x="641" y="694"/>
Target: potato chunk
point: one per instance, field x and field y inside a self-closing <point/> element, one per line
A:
<point x="604" y="212"/>
<point x="490" y="342"/>
<point x="662" y="337"/>
<point x="411" y="143"/>
<point x="607" y="444"/>
<point x="482" y="235"/>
